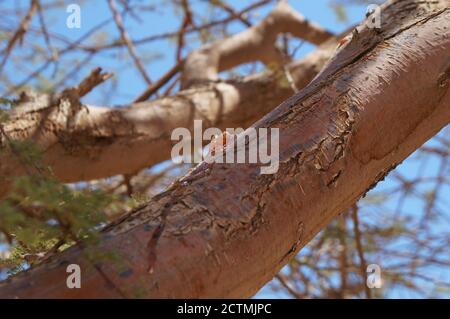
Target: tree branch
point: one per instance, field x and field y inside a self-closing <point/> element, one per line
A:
<point x="256" y="43"/>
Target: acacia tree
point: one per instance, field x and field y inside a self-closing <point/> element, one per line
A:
<point x="225" y="230"/>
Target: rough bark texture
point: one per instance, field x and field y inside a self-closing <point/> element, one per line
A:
<point x="229" y="230"/>
<point x="83" y="142"/>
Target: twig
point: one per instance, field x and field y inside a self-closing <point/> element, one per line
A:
<point x="67" y="49"/>
<point x="343" y="265"/>
<point x="53" y="250"/>
<point x="71" y="74"/>
<point x="171" y="86"/>
<point x="126" y="39"/>
<point x="172" y="34"/>
<point x="54" y="56"/>
<point x="286" y="285"/>
<point x="127" y="181"/>
<point x="240" y="16"/>
<point x="92" y="80"/>
<point x="257" y="43"/>
<point x="15" y="152"/>
<point x="18" y="35"/>
<point x="187" y="21"/>
<point x="359" y="248"/>
<point x="161" y="82"/>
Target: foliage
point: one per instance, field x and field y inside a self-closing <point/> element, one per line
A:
<point x="42" y="215"/>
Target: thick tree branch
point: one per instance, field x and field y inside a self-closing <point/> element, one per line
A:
<point x="257" y="43"/>
<point x="226" y="232"/>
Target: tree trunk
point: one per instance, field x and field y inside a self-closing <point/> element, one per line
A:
<point x="229" y="230"/>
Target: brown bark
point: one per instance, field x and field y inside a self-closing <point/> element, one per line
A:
<point x="228" y="231"/>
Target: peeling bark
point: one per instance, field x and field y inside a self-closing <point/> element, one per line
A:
<point x="228" y="231"/>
